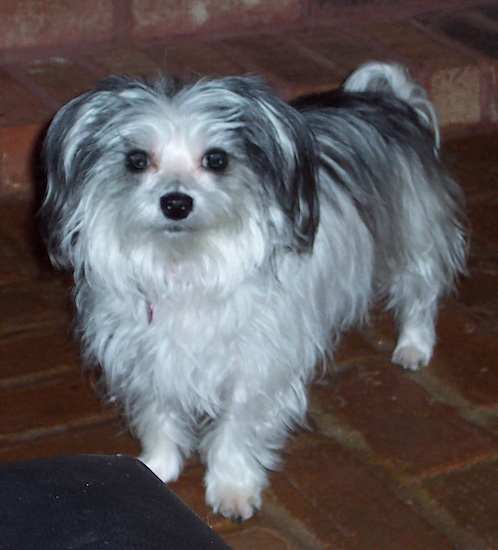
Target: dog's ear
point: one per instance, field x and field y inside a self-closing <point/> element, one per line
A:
<point x="283" y="151"/>
<point x="70" y="152"/>
<point x="298" y="181"/>
<point x="60" y="146"/>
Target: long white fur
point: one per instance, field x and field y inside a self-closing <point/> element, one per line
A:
<point x="208" y="335"/>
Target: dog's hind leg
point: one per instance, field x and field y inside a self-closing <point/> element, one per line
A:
<point x="414" y="298"/>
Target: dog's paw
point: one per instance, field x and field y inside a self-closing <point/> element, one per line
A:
<point x="232" y="500"/>
<point x="410" y="357"/>
<point x="166" y="468"/>
<point x="414" y="347"/>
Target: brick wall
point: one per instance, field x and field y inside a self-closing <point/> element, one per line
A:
<point x="28" y="24"/>
<point x="31" y="24"/>
<point x="53" y="50"/>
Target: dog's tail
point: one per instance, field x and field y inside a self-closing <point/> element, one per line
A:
<point x="394" y="79"/>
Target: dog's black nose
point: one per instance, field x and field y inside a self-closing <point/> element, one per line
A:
<point x="176" y="206"/>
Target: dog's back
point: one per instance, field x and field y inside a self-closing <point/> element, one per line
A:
<point x="379" y="139"/>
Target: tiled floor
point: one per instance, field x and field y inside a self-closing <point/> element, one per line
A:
<point x="392" y="460"/>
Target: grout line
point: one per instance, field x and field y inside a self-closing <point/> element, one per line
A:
<point x="92" y="420"/>
<point x="34" y="378"/>
<point x="251" y="66"/>
<point x="404" y="485"/>
<point x="278" y="515"/>
<point x="488" y="89"/>
<point x="17" y="72"/>
<point x="376" y="12"/>
<point x="315" y="56"/>
<point x="122" y="21"/>
<point x="478" y="415"/>
<point x="431" y="29"/>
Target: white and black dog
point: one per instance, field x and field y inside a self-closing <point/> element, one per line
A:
<point x="221" y="240"/>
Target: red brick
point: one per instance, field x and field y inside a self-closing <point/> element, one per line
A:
<point x="381" y="331"/>
<point x="18" y="223"/>
<point x="354" y="349"/>
<point x="28" y="413"/>
<point x="470" y="28"/>
<point x="33" y="305"/>
<point x="30" y="357"/>
<point x="344" y="505"/>
<point x="493" y="92"/>
<point x="26" y="23"/>
<point x="17" y="150"/>
<point x="14" y="265"/>
<point x="257" y="538"/>
<point x="490" y="11"/>
<point x="455" y="79"/>
<point x="466" y="358"/>
<point x="127" y="60"/>
<point x="479" y="290"/>
<point x="286" y="63"/>
<point x="20" y="235"/>
<point x="477" y="184"/>
<point x="407" y="42"/>
<point x="484" y="220"/>
<point x="401" y="422"/>
<point x="471" y="496"/>
<point x="60" y="78"/>
<point x="106" y="438"/>
<point x="17" y="261"/>
<point x="346" y="51"/>
<point x="158" y="18"/>
<point x="17" y="106"/>
<point x="455" y="93"/>
<point x="191" y="58"/>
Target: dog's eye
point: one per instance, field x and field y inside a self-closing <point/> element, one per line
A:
<point x="137" y="161"/>
<point x="215" y="159"/>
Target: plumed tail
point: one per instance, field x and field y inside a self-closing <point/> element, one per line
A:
<point x="394" y="79"/>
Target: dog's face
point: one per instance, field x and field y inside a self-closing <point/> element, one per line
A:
<point x="138" y="165"/>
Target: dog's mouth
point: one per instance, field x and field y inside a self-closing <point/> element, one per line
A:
<point x="181" y="227"/>
<point x="176" y="229"/>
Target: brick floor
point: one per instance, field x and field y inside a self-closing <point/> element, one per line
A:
<point x="392" y="459"/>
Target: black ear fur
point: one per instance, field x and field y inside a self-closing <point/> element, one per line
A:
<point x="302" y="188"/>
<point x="68" y="158"/>
<point x="296" y="176"/>
<point x="60" y="194"/>
<point x="283" y="150"/>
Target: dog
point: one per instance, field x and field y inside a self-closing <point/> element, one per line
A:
<point x="221" y="240"/>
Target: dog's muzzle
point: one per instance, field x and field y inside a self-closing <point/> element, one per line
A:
<point x="176" y="206"/>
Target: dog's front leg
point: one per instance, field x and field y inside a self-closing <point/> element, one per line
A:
<point x="235" y="478"/>
<point x="240" y="448"/>
<point x="166" y="441"/>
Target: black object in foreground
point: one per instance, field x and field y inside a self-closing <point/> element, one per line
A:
<point x="93" y="502"/>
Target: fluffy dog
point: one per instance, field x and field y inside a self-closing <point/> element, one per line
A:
<point x="221" y="240"/>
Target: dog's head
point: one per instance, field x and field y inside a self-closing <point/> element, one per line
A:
<point x="131" y="163"/>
